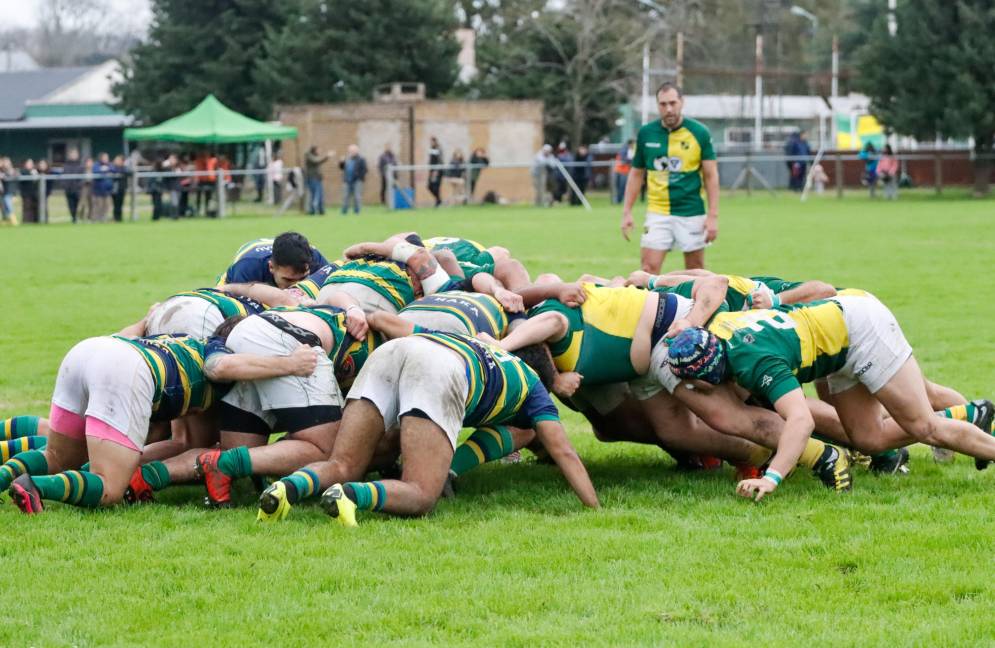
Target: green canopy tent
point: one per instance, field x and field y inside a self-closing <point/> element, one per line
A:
<point x="211" y="122"/>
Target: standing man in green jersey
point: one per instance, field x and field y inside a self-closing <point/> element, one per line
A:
<point x="675" y="157"/>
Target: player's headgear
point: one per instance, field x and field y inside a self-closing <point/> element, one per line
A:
<point x="696" y="353"/>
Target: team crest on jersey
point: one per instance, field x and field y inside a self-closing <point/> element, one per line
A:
<point x="668" y="163"/>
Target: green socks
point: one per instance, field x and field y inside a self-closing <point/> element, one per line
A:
<point x="368" y="496"/>
<point x="155" y="475"/>
<point x="301" y="485"/>
<point x="32" y="462"/>
<point x="73" y="487"/>
<point x="16" y="427"/>
<point x="14" y="446"/>
<point x="236" y="462"/>
<point x="485" y="444"/>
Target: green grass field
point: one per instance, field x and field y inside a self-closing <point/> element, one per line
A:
<point x="671" y="559"/>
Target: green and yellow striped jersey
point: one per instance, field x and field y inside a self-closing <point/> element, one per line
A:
<point x="388" y="278"/>
<point x="177" y="366"/>
<point x="502" y="388"/>
<point x="465" y="250"/>
<point x="229" y="305"/>
<point x="771" y="352"/>
<point x="477" y="312"/>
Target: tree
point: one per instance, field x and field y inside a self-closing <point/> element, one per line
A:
<point x="198" y="47"/>
<point x="340" y="50"/>
<point x="579" y="59"/>
<point x="934" y="76"/>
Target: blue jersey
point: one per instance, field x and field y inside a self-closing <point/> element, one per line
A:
<point x="252" y="264"/>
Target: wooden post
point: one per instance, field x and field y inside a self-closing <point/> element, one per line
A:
<point x="839" y="174"/>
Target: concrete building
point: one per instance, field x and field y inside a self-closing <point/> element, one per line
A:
<point x="510" y="132"/>
<point x="45" y="112"/>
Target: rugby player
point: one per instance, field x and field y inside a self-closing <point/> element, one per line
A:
<point x="615" y="335"/>
<point x="674" y="155"/>
<point x="493" y="260"/>
<point x="108" y="391"/>
<point x="431" y="385"/>
<point x="852" y="340"/>
<point x="279" y="262"/>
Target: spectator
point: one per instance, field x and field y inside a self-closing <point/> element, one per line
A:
<point x="28" y="187"/>
<point x="315" y="188"/>
<point x="478" y="160"/>
<point x="274" y="175"/>
<point x="170" y="188"/>
<point x="888" y="172"/>
<point x="623" y="163"/>
<point x="257" y="163"/>
<point x="45" y="170"/>
<point x="186" y="184"/>
<point x="560" y="179"/>
<point x="386" y="159"/>
<point x="103" y="187"/>
<point x="581" y="172"/>
<point x="6" y="191"/>
<point x="73" y="186"/>
<point x="154" y="188"/>
<point x="120" y="186"/>
<point x="435" y="175"/>
<point x="797" y="147"/>
<point x="819" y="179"/>
<point x="456" y="178"/>
<point x="353" y="175"/>
<point x="540" y="173"/>
<point x="869" y="155"/>
<point x="85" y="210"/>
<point x="295" y="183"/>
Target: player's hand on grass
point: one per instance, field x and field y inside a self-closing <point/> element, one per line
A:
<point x="511" y="302"/>
<point x="355" y="322"/>
<point x="711" y="228"/>
<point x="571" y="295"/>
<point x="304" y="360"/>
<point x="566" y="383"/>
<point x="760" y="299"/>
<point x="627" y="224"/>
<point x="678" y="326"/>
<point x="638" y="278"/>
<point x="755" y="488"/>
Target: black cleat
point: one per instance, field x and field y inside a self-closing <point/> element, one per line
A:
<point x="891" y="463"/>
<point x="986" y="414"/>
<point x="833" y="469"/>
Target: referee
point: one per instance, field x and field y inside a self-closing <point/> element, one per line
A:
<point x="677" y="153"/>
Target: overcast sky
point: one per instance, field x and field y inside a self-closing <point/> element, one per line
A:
<point x="24" y="13"/>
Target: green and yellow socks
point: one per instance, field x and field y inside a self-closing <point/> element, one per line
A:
<point x="15" y="446"/>
<point x="301" y="485"/>
<point x="75" y="487"/>
<point x="236" y="462"/>
<point x="16" y="427"/>
<point x="368" y="496"/>
<point x="485" y="444"/>
<point x="156" y="475"/>
<point x="32" y="462"/>
<point x="969" y="412"/>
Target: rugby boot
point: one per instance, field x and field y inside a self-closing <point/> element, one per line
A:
<point x="833" y="469"/>
<point x="339" y="506"/>
<point x="895" y="462"/>
<point x="217" y="483"/>
<point x="25" y="495"/>
<point x="986" y="414"/>
<point x="273" y="503"/>
<point x="138" y="491"/>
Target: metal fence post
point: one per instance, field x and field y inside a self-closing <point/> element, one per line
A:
<point x="839" y="175"/>
<point x="389" y="169"/>
<point x="220" y="181"/>
<point x="42" y="214"/>
<point x="133" y="191"/>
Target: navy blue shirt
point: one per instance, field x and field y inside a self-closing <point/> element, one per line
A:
<point x="252" y="264"/>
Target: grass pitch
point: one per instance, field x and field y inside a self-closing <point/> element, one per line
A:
<point x="671" y="559"/>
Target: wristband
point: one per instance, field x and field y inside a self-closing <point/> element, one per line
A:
<point x="775" y="301"/>
<point x="403" y="251"/>
<point x="435" y="283"/>
<point x="773" y="477"/>
<point x="651" y="284"/>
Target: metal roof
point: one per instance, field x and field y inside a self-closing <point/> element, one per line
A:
<point x="18" y="88"/>
<point x="92" y="121"/>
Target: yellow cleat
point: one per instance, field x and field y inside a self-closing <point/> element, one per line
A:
<point x="273" y="504"/>
<point x="340" y="507"/>
<point x="833" y="469"/>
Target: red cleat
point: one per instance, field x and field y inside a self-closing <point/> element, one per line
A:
<point x="709" y="463"/>
<point x="26" y="496"/>
<point x="747" y="471"/>
<point x="218" y="484"/>
<point x="138" y="491"/>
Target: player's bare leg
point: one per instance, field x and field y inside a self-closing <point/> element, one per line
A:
<point x="694" y="260"/>
<point x="651" y="260"/>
